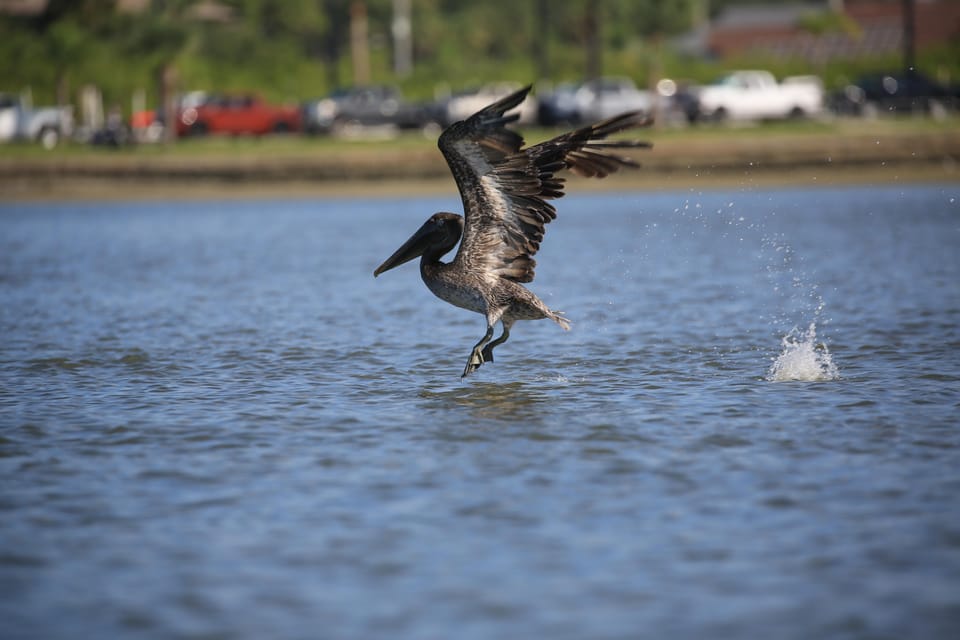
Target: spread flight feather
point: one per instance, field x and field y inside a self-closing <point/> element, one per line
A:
<point x="505" y="188"/>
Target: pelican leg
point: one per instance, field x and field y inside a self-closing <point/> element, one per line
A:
<point x="487" y="353"/>
<point x="476" y="356"/>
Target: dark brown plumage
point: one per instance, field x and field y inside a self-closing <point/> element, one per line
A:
<point x="505" y="191"/>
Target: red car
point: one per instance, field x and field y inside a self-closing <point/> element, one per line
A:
<point x="238" y="115"/>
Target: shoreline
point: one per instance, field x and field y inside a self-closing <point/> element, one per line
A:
<point x="730" y="162"/>
<point x="115" y="190"/>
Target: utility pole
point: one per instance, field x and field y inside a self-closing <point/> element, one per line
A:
<point x="359" y="46"/>
<point x="909" y="36"/>
<point x="402" y="39"/>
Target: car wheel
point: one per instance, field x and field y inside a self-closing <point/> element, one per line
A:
<point x="431" y="129"/>
<point x="343" y="127"/>
<point x="937" y="110"/>
<point x="49" y="137"/>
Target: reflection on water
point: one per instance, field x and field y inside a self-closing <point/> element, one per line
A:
<point x="510" y="402"/>
<point x="215" y="423"/>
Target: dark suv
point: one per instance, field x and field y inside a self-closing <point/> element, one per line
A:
<point x="368" y="106"/>
<point x="910" y="92"/>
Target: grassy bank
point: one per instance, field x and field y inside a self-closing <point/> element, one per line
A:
<point x="826" y="152"/>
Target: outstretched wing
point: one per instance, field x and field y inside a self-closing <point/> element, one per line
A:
<point x="505" y="188"/>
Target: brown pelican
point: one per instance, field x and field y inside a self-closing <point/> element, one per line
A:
<point x="505" y="190"/>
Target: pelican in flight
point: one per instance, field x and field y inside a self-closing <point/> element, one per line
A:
<point x="505" y="191"/>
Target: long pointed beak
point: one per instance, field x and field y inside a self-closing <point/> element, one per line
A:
<point x="412" y="248"/>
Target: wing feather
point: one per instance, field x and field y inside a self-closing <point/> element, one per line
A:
<point x="505" y="188"/>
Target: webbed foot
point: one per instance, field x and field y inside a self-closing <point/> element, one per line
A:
<point x="473" y="363"/>
<point x="487" y="353"/>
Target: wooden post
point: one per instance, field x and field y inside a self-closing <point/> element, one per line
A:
<point x="359" y="46"/>
<point x="402" y="39"/>
<point x="168" y="101"/>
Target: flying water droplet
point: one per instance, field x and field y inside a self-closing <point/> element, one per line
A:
<point x="803" y="359"/>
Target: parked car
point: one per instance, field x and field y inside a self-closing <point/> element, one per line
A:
<point x="114" y="133"/>
<point x="368" y="107"/>
<point x="148" y="126"/>
<point x="910" y="92"/>
<point x="593" y="100"/>
<point x="462" y="105"/>
<point x="46" y="125"/>
<point x="559" y="107"/>
<point x="237" y="115"/>
<point x="756" y="95"/>
<point x="679" y="104"/>
<point x="606" y="97"/>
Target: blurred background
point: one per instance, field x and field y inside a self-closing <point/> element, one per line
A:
<point x="145" y="93"/>
<point x="121" y="70"/>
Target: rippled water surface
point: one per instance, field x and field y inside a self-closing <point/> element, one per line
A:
<point x="215" y="423"/>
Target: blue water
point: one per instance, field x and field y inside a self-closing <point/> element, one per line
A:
<point x="215" y="423"/>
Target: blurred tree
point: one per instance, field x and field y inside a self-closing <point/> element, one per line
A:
<point x="400" y="29"/>
<point x="302" y="19"/>
<point x="65" y="42"/>
<point x="61" y="33"/>
<point x="158" y="40"/>
<point x="295" y="49"/>
<point x="359" y="42"/>
<point x="334" y="40"/>
<point x="908" y="13"/>
<point x="656" y="19"/>
<point x="592" y="36"/>
<point x="542" y="34"/>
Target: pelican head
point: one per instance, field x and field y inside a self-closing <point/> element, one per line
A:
<point x="435" y="238"/>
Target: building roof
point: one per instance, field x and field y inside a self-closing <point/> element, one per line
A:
<point x="743" y="16"/>
<point x="877" y="29"/>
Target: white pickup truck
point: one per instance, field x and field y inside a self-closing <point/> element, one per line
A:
<point x="756" y="95"/>
<point x="46" y="125"/>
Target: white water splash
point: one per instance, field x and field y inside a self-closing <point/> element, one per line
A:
<point x="802" y="358"/>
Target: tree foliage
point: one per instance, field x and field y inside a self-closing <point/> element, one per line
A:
<point x="298" y="49"/>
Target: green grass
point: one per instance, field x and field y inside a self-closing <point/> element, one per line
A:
<point x="217" y="146"/>
<point x="301" y="146"/>
<point x="839" y="126"/>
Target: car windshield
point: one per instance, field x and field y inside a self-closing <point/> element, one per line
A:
<point x="727" y="81"/>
